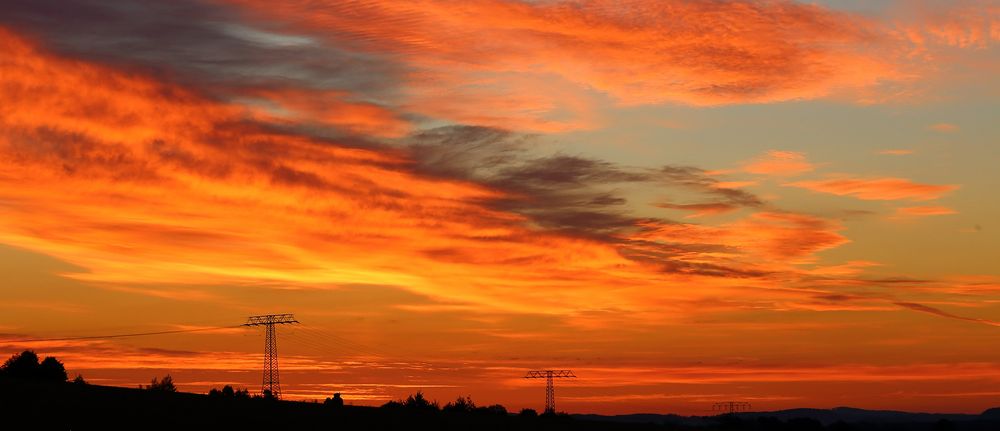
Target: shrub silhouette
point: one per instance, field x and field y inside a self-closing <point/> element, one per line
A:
<point x="419" y="402"/>
<point x="25" y="366"/>
<point x="495" y="409"/>
<point x="461" y="405"/>
<point x="393" y="405"/>
<point x="335" y="402"/>
<point x="528" y="413"/>
<point x="229" y="393"/>
<point x="164" y="385"/>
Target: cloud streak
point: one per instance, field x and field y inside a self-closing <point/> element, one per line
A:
<point x="938" y="312"/>
<point x="640" y="52"/>
<point x="252" y="204"/>
<point x="781" y="163"/>
<point x="888" y="188"/>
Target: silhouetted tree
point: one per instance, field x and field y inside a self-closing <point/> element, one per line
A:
<point x="164" y="385"/>
<point x="461" y="405"/>
<point x="528" y="413"/>
<point x="393" y="405"/>
<point x="241" y="394"/>
<point x="495" y="409"/>
<point x="25" y="366"/>
<point x="228" y="392"/>
<point x="50" y="369"/>
<point x="335" y="402"/>
<point x="78" y="380"/>
<point x="419" y="402"/>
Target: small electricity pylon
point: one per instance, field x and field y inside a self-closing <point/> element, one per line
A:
<point x="730" y="407"/>
<point x="269" y="383"/>
<point x="550" y="388"/>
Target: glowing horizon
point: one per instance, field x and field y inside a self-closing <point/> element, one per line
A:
<point x="682" y="201"/>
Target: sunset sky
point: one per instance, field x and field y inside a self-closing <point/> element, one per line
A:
<point x="792" y="204"/>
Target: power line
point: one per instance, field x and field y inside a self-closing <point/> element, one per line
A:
<point x="104" y="337"/>
<point x="323" y="339"/>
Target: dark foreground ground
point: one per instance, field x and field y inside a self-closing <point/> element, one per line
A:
<point x="65" y="406"/>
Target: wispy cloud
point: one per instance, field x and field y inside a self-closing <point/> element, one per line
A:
<point x="780" y="163"/>
<point x="923" y="211"/>
<point x="943" y="127"/>
<point x="938" y="312"/>
<point x="887" y="188"/>
<point x="896" y="152"/>
<point x="635" y="53"/>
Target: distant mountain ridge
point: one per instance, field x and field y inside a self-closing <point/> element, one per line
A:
<point x="825" y="416"/>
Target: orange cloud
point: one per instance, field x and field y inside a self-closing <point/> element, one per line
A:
<point x="764" y="241"/>
<point x="734" y="184"/>
<point x="896" y="152"/>
<point x="146" y="186"/>
<point x="938" y="312"/>
<point x="326" y="107"/>
<point x="525" y="61"/>
<point x="782" y="163"/>
<point x="922" y="211"/>
<point x="876" y="188"/>
<point x="969" y="24"/>
<point x="944" y="127"/>
<point x="145" y="182"/>
<point x="701" y="210"/>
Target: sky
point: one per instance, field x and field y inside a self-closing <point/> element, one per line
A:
<point x="791" y="204"/>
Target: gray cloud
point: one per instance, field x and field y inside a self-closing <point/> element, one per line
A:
<point x="198" y="43"/>
<point x="574" y="195"/>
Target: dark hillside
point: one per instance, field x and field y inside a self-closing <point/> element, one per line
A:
<point x="91" y="407"/>
<point x="64" y="406"/>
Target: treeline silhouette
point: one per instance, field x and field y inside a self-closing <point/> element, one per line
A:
<point x="37" y="394"/>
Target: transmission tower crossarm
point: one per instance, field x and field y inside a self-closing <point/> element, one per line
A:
<point x="271" y="319"/>
<point x="543" y="374"/>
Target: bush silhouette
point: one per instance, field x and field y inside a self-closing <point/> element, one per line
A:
<point x="461" y="405"/>
<point x="528" y="413"/>
<point x="495" y="409"/>
<point x="25" y="366"/>
<point x="419" y="402"/>
<point x="393" y="405"/>
<point x="335" y="402"/>
<point x="164" y="385"/>
<point x="229" y="393"/>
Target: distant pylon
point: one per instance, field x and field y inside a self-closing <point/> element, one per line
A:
<point x="731" y="407"/>
<point x="550" y="387"/>
<point x="269" y="383"/>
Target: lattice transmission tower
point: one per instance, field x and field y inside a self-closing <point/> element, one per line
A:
<point x="550" y="387"/>
<point x="730" y="407"/>
<point x="269" y="383"/>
